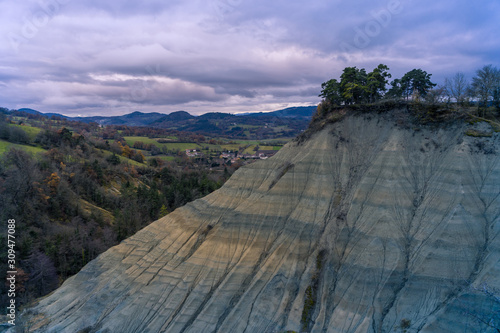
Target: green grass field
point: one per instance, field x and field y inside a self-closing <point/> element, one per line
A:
<point x="5" y="146"/>
<point x="250" y="150"/>
<point x="122" y="158"/>
<point x="31" y="131"/>
<point x="204" y="148"/>
<point x="244" y="126"/>
<point x="170" y="145"/>
<point x="181" y="145"/>
<point x="192" y="145"/>
<point x="265" y="142"/>
<point x="166" y="158"/>
<point x="132" y="139"/>
<point x="129" y="161"/>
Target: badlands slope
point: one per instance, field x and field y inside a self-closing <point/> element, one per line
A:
<point x="366" y="226"/>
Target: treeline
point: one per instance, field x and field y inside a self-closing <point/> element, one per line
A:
<point x="77" y="200"/>
<point x="356" y="86"/>
<point x="52" y="122"/>
<point x="483" y="88"/>
<point x="11" y="133"/>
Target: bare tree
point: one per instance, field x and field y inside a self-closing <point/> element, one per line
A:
<point x="486" y="85"/>
<point x="436" y="96"/>
<point x="43" y="275"/>
<point x="457" y="88"/>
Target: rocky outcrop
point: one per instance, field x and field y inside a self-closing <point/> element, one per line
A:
<point x="367" y="226"/>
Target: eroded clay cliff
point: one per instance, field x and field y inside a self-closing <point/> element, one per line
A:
<point x="366" y="226"/>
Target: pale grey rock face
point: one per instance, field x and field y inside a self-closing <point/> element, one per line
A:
<point x="364" y="227"/>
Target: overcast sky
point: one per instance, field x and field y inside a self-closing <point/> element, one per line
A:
<point x="113" y="57"/>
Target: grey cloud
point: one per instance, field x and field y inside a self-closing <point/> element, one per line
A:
<point x="228" y="55"/>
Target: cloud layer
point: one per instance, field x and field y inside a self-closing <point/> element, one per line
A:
<point x="115" y="57"/>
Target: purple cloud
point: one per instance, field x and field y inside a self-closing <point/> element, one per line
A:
<point x="115" y="57"/>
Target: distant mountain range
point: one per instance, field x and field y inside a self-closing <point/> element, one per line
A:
<point x="303" y="112"/>
<point x="281" y="123"/>
<point x="138" y="118"/>
<point x="31" y="111"/>
<point x="132" y="119"/>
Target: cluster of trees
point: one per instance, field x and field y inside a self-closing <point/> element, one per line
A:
<point x="416" y="82"/>
<point x="484" y="88"/>
<point x="76" y="200"/>
<point x="12" y="133"/>
<point x="52" y="122"/>
<point x="357" y="86"/>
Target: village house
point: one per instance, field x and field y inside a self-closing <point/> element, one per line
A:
<point x="228" y="154"/>
<point x="192" y="153"/>
<point x="263" y="154"/>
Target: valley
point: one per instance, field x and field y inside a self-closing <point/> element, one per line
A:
<point x="79" y="188"/>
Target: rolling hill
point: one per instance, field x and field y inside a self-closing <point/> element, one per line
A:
<point x="284" y="123"/>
